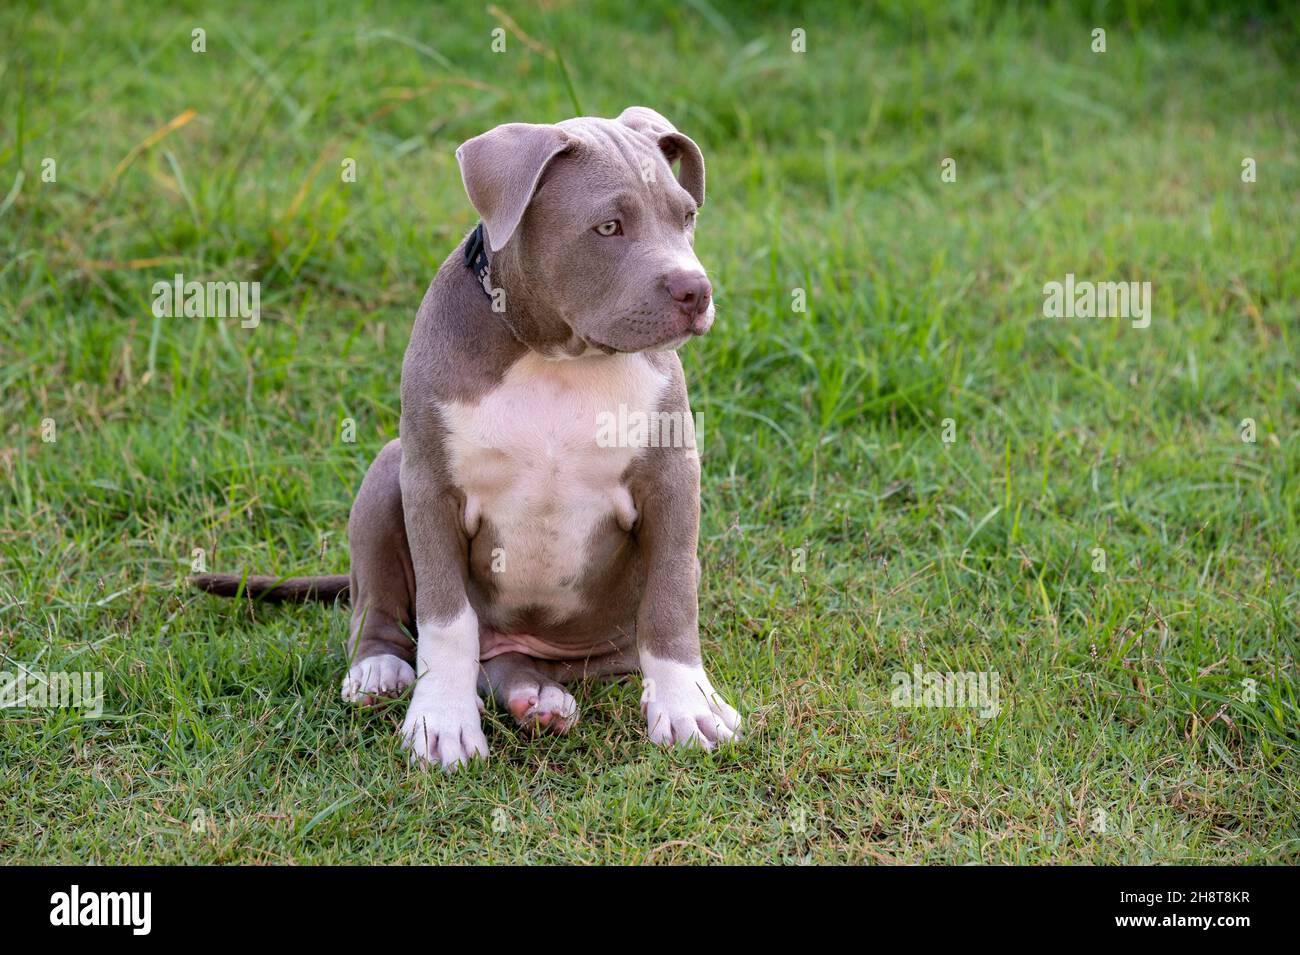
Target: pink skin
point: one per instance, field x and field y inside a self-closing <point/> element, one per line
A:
<point x="524" y="709"/>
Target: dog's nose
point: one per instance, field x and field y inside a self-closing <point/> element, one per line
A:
<point x="690" y="290"/>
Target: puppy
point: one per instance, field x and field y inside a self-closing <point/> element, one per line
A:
<point x="518" y="528"/>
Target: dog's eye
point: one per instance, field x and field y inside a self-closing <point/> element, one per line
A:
<point x="690" y="219"/>
<point x="612" y="227"/>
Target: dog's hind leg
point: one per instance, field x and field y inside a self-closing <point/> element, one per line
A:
<point x="523" y="686"/>
<point x="380" y="649"/>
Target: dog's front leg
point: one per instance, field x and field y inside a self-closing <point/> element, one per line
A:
<point x="443" y="723"/>
<point x="679" y="702"/>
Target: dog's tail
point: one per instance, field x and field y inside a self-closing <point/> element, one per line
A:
<point x="276" y="589"/>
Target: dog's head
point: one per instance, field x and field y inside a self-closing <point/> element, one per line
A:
<point x="590" y="233"/>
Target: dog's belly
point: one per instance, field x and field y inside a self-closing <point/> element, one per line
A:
<point x="546" y="509"/>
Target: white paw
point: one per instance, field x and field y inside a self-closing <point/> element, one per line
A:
<point x="682" y="708"/>
<point x="446" y="732"/>
<point x="375" y="677"/>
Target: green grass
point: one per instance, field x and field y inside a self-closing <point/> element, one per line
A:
<point x="1121" y="691"/>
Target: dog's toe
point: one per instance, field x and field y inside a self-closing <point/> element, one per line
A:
<point x="683" y="709"/>
<point x="443" y="733"/>
<point x="542" y="706"/>
<point x="376" y="677"/>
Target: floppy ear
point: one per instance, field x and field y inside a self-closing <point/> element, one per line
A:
<point x="501" y="169"/>
<point x="676" y="147"/>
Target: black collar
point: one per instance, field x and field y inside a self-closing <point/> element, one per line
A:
<point x="476" y="259"/>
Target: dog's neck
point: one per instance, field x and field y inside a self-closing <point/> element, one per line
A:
<point x="512" y="300"/>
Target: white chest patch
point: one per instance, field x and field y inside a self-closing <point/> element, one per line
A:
<point x="530" y="460"/>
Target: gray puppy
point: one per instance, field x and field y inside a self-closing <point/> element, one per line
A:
<point x="531" y="525"/>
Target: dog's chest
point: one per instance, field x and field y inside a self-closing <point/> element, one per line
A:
<point x="539" y="473"/>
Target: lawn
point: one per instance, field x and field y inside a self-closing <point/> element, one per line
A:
<point x="906" y="464"/>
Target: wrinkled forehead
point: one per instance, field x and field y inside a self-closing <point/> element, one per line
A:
<point x="611" y="159"/>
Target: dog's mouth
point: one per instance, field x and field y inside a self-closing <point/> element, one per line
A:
<point x="666" y="344"/>
<point x="672" y="344"/>
<point x="678" y="335"/>
<point x="600" y="346"/>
